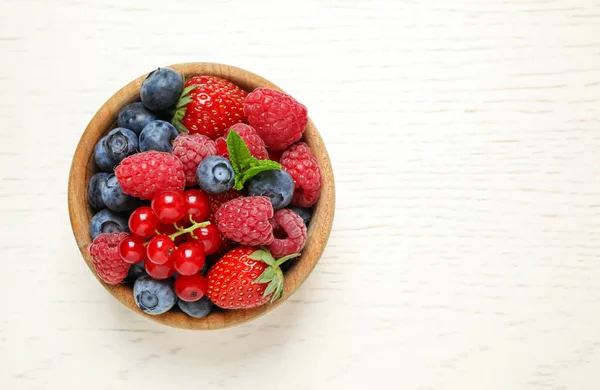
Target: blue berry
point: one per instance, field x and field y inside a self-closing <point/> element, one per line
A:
<point x="94" y="193"/>
<point x="215" y="175"/>
<point x="114" y="198"/>
<point x="154" y="296"/>
<point x="161" y="89"/>
<point x="104" y="159"/>
<point x="275" y="184"/>
<point x="135" y="117"/>
<point x="158" y="135"/>
<point x="197" y="309"/>
<point x="107" y="221"/>
<point x="304" y="212"/>
<point x="121" y="143"/>
<point x="135" y="271"/>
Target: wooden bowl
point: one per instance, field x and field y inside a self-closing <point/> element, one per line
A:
<point x="83" y="167"/>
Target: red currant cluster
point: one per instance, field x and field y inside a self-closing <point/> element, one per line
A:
<point x="170" y="237"/>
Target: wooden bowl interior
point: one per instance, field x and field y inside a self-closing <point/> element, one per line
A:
<point x="83" y="167"/>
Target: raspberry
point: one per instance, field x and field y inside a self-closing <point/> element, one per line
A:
<point x="246" y="220"/>
<point x="278" y="118"/>
<point x="215" y="203"/>
<point x="191" y="149"/>
<point x="107" y="261"/>
<point x="291" y="226"/>
<point x="143" y="175"/>
<point x="217" y="200"/>
<point x="300" y="162"/>
<point x="255" y="144"/>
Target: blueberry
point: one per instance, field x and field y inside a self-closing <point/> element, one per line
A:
<point x="107" y="221"/>
<point x="94" y="194"/>
<point x="121" y="143"/>
<point x="158" y="135"/>
<point x="304" y="212"/>
<point x="135" y="117"/>
<point x="197" y="309"/>
<point x="135" y="271"/>
<point x="154" y="296"/>
<point x="161" y="89"/>
<point x="104" y="159"/>
<point x="215" y="175"/>
<point x="275" y="184"/>
<point x="114" y="198"/>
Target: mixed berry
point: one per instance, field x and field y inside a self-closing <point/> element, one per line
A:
<point x="201" y="193"/>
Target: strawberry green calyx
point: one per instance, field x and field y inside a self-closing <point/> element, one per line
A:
<point x="272" y="274"/>
<point x="244" y="164"/>
<point x="180" y="109"/>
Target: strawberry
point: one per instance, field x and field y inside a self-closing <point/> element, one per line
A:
<point x="246" y="277"/>
<point x="209" y="105"/>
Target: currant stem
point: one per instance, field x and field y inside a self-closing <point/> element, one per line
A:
<point x="188" y="230"/>
<point x="286" y="258"/>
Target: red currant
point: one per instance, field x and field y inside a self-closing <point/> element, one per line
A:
<point x="143" y="222"/>
<point x="159" y="271"/>
<point x="190" y="288"/>
<point x="209" y="236"/>
<point x="169" y="206"/>
<point x="197" y="205"/>
<point x="160" y="249"/>
<point x="189" y="258"/>
<point x="132" y="249"/>
<point x="168" y="228"/>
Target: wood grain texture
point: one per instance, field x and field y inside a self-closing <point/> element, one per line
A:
<point x="80" y="214"/>
<point x="463" y="137"/>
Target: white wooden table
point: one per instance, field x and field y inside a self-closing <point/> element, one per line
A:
<point x="464" y="137"/>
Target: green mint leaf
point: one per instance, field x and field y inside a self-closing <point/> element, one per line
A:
<point x="264" y="256"/>
<point x="249" y="173"/>
<point x="250" y="162"/>
<point x="266" y="276"/>
<point x="244" y="164"/>
<point x="238" y="152"/>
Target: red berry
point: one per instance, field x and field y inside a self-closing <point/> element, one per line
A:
<point x="132" y="249"/>
<point x="190" y="288"/>
<point x="275" y="155"/>
<point x="246" y="220"/>
<point x="290" y="233"/>
<point x="143" y="222"/>
<point x="169" y="206"/>
<point x="106" y="259"/>
<point x="212" y="107"/>
<point x="160" y="249"/>
<point x="209" y="237"/>
<point x="232" y="280"/>
<point x="159" y="271"/>
<point x="191" y="149"/>
<point x="145" y="174"/>
<point x="301" y="163"/>
<point x="255" y="144"/>
<point x="197" y="205"/>
<point x="168" y="228"/>
<point x="189" y="258"/>
<point x="278" y="118"/>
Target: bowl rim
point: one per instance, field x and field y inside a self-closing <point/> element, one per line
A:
<point x="80" y="214"/>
